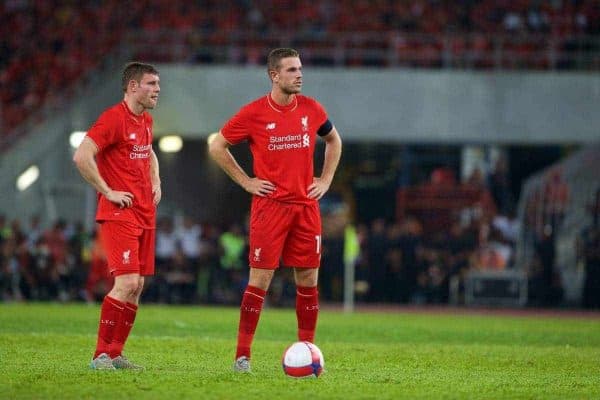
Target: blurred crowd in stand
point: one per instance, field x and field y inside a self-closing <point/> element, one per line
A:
<point x="444" y="230"/>
<point x="528" y="34"/>
<point x="433" y="16"/>
<point x="47" y="46"/>
<point x="397" y="261"/>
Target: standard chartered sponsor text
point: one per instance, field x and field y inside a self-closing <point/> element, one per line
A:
<point x="141" y="147"/>
<point x="288" y="138"/>
<point x="285" y="142"/>
<point x="140" y="151"/>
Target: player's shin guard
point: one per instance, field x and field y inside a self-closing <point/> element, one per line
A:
<point x="307" y="311"/>
<point x="110" y="314"/>
<point x="123" y="329"/>
<point x="252" y="303"/>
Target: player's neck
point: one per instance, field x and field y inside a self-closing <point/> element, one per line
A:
<point x="133" y="105"/>
<point x="282" y="99"/>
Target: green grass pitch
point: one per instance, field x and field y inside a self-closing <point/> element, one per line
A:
<point x="188" y="353"/>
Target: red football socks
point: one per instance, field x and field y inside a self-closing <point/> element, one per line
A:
<point x="110" y="314"/>
<point x="252" y="303"/>
<point x="123" y="329"/>
<point x="307" y="310"/>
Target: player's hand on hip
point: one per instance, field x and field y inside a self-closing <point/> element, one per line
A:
<point x="318" y="188"/>
<point x="259" y="187"/>
<point x="122" y="199"/>
<point x="156" y="194"/>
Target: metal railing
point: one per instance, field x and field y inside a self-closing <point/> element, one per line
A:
<point x="381" y="49"/>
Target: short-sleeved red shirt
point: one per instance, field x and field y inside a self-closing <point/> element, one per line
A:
<point x="282" y="142"/>
<point x="124" y="141"/>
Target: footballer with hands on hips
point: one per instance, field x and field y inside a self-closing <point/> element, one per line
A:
<point x="117" y="159"/>
<point x="281" y="129"/>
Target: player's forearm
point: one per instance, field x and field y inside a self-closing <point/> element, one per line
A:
<point x="227" y="162"/>
<point x="333" y="153"/>
<point x="89" y="171"/>
<point x="154" y="169"/>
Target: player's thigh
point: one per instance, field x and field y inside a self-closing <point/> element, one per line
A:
<point x="147" y="250"/>
<point x="270" y="222"/>
<point x="121" y="245"/>
<point x="302" y="248"/>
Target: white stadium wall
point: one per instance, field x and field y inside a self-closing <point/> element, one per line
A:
<point x="400" y="105"/>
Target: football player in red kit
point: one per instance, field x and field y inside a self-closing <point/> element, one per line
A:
<point x="117" y="159"/>
<point x="285" y="224"/>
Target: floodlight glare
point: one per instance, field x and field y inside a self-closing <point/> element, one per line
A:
<point x="170" y="144"/>
<point x="211" y="137"/>
<point x="28" y="177"/>
<point x="76" y="138"/>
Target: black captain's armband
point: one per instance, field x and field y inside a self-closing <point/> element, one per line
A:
<point x="325" y="128"/>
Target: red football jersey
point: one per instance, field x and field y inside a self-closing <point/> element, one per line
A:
<point x="124" y="141"/>
<point x="282" y="142"/>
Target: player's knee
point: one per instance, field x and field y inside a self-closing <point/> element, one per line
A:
<point x="260" y="278"/>
<point x="127" y="285"/>
<point x="306" y="277"/>
<point x="306" y="282"/>
<point x="140" y="287"/>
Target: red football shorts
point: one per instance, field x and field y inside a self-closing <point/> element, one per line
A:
<point x="129" y="248"/>
<point x="284" y="231"/>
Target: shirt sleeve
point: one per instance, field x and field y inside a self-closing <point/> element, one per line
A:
<point x="104" y="132"/>
<point x="236" y="129"/>
<point x="320" y="113"/>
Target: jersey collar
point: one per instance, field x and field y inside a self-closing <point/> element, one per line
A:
<point x="282" y="109"/>
<point x="137" y="118"/>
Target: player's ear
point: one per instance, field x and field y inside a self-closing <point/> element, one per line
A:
<point x="273" y="75"/>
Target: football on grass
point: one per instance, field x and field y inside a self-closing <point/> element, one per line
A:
<point x="302" y="360"/>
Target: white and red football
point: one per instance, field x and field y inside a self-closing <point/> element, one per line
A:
<point x="303" y="359"/>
